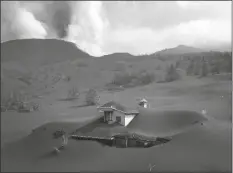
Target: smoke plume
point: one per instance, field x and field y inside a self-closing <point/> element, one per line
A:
<point x="87" y="26"/>
<point x="82" y="22"/>
<point x="18" y="23"/>
<point x="59" y="13"/>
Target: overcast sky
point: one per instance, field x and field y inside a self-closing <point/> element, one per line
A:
<point x="136" y="27"/>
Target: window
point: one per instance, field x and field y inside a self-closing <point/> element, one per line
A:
<point x="118" y="119"/>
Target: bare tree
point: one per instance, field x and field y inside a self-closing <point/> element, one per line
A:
<point x="151" y="167"/>
<point x="73" y="93"/>
<point x="92" y="97"/>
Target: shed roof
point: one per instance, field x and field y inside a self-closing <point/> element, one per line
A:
<point x="115" y="105"/>
<point x="143" y="101"/>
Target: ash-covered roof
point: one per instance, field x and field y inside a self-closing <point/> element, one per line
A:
<point x="143" y="101"/>
<point x="115" y="105"/>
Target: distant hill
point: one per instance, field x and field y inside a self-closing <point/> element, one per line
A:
<point x="222" y="47"/>
<point x="181" y="49"/>
<point x="39" y="66"/>
<point x="37" y="52"/>
<point x="118" y="56"/>
<point x="23" y="61"/>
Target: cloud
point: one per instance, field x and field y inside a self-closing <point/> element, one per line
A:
<point x="18" y="23"/>
<point x="60" y="13"/>
<point x="198" y="33"/>
<point x="119" y="26"/>
<point x="55" y="14"/>
<point x="83" y="23"/>
<point x="27" y="19"/>
<point x="150" y="26"/>
<point x="188" y="4"/>
<point x="87" y="26"/>
<point x="160" y="15"/>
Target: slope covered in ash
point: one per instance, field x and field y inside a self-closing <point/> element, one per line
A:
<point x="36" y="52"/>
<point x="202" y="148"/>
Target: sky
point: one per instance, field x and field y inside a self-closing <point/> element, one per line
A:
<point x="136" y="27"/>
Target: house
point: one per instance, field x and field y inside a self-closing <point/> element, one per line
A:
<point x="143" y="103"/>
<point x="114" y="112"/>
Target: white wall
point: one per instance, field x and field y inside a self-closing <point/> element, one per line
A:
<point x="114" y="115"/>
<point x="125" y="119"/>
<point x="128" y="119"/>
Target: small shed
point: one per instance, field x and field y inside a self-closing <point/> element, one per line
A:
<point x="114" y="112"/>
<point x="144" y="103"/>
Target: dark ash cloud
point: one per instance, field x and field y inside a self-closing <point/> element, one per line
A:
<point x="60" y="13"/>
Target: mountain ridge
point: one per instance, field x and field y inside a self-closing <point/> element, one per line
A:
<point x="40" y="51"/>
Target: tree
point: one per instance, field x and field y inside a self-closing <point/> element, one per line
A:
<point x="215" y="69"/>
<point x="92" y="97"/>
<point x="73" y="93"/>
<point x="190" y="68"/>
<point x="171" y="74"/>
<point x="121" y="78"/>
<point x="204" y="71"/>
<point x="146" y="78"/>
<point x="177" y="64"/>
<point x="196" y="69"/>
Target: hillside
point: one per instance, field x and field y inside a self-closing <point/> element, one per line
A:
<point x="181" y="49"/>
<point x="203" y="147"/>
<point x="36" y="52"/>
<point x="33" y="61"/>
<point x="37" y="66"/>
<point x="118" y="55"/>
<point x="40" y="67"/>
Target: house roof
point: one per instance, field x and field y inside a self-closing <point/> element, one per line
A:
<point x="143" y="101"/>
<point x="115" y="105"/>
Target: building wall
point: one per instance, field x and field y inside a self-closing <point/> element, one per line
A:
<point x="128" y="119"/>
<point x="125" y="119"/>
<point x="145" y="105"/>
<point x="116" y="113"/>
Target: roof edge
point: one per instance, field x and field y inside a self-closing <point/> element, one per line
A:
<point x="128" y="112"/>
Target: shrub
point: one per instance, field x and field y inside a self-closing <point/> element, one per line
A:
<point x="134" y="79"/>
<point x="17" y="102"/>
<point x="92" y="97"/>
<point x="122" y="79"/>
<point x="146" y="78"/>
<point x="73" y="93"/>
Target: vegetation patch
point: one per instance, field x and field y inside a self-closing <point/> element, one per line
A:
<point x="18" y="102"/>
<point x="92" y="97"/>
<point x="126" y="79"/>
<point x="73" y="94"/>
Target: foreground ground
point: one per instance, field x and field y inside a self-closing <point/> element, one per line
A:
<point x="202" y="148"/>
